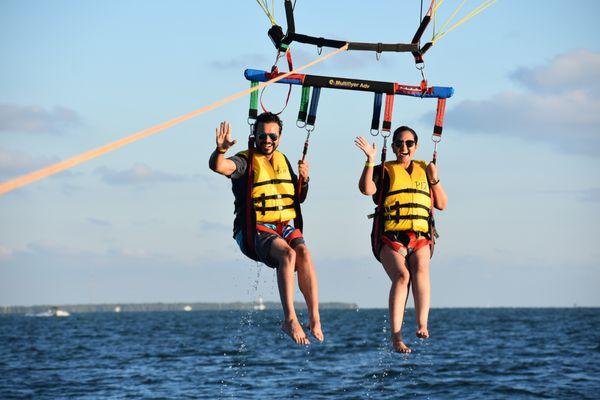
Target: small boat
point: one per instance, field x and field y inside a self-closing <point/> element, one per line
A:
<point x="53" y="312"/>
<point x="187" y="308"/>
<point x="118" y="309"/>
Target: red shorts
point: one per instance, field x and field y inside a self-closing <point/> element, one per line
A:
<point x="405" y="242"/>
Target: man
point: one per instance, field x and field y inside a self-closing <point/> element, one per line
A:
<point x="265" y="203"/>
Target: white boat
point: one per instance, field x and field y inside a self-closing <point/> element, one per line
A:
<point x="54" y="312"/>
<point x="187" y="308"/>
<point x="118" y="309"/>
<point x="260" y="305"/>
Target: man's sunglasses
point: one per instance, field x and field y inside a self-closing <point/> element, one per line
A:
<point x="263" y="136"/>
<point x="408" y="143"/>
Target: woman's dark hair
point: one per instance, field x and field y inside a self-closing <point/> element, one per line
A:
<point x="403" y="128"/>
<point x="266" y="118"/>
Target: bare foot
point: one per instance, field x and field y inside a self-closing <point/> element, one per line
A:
<point x="399" y="345"/>
<point x="315" y="329"/>
<point x="293" y="329"/>
<point x="422" y="333"/>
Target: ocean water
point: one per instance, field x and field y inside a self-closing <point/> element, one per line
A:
<point x="472" y="354"/>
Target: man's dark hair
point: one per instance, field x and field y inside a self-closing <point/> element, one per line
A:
<point x="266" y="118"/>
<point x="403" y="128"/>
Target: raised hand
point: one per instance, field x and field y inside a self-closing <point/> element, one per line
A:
<point x="223" y="137"/>
<point x="370" y="151"/>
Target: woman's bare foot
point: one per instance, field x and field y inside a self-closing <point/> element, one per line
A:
<point x="293" y="329"/>
<point x="422" y="333"/>
<point x="399" y="344"/>
<point x="315" y="330"/>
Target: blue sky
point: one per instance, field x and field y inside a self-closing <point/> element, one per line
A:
<point x="519" y="157"/>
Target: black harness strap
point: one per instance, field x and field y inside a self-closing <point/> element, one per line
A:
<point x="272" y="181"/>
<point x="274" y="196"/>
<point x="417" y="191"/>
<point x="398" y="206"/>
<point x="274" y="208"/>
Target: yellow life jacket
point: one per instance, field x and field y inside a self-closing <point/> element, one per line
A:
<point x="272" y="190"/>
<point x="408" y="200"/>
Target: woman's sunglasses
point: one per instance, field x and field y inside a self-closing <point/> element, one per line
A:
<point x="263" y="136"/>
<point x="408" y="143"/>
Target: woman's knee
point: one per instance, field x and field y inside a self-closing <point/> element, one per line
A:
<point x="401" y="277"/>
<point x="301" y="252"/>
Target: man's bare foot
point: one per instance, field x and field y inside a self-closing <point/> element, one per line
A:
<point x="422" y="333"/>
<point x="315" y="330"/>
<point x="399" y="345"/>
<point x="293" y="329"/>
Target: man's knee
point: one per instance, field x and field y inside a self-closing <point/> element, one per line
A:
<point x="287" y="256"/>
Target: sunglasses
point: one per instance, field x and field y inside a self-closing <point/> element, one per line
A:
<point x="263" y="136"/>
<point x="408" y="143"/>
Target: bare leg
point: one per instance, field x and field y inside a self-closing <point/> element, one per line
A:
<point x="286" y="258"/>
<point x="419" y="269"/>
<point x="307" y="280"/>
<point x="394" y="265"/>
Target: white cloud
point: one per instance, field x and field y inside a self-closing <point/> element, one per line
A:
<point x="560" y="106"/>
<point x="35" y="119"/>
<point x="138" y="174"/>
<point x="578" y="69"/>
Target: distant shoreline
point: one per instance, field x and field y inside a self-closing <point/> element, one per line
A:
<point x="268" y="305"/>
<point x="158" y="307"/>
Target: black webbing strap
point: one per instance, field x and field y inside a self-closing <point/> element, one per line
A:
<point x="376" y="112"/>
<point x="426" y="47"/>
<point x="274" y="208"/>
<point x="381" y="47"/>
<point x="317" y="41"/>
<point x="272" y="181"/>
<point x="398" y="206"/>
<point x="273" y="196"/>
<point x="416" y="40"/>
<point x="414" y="191"/>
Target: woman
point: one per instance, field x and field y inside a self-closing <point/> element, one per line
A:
<point x="410" y="188"/>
